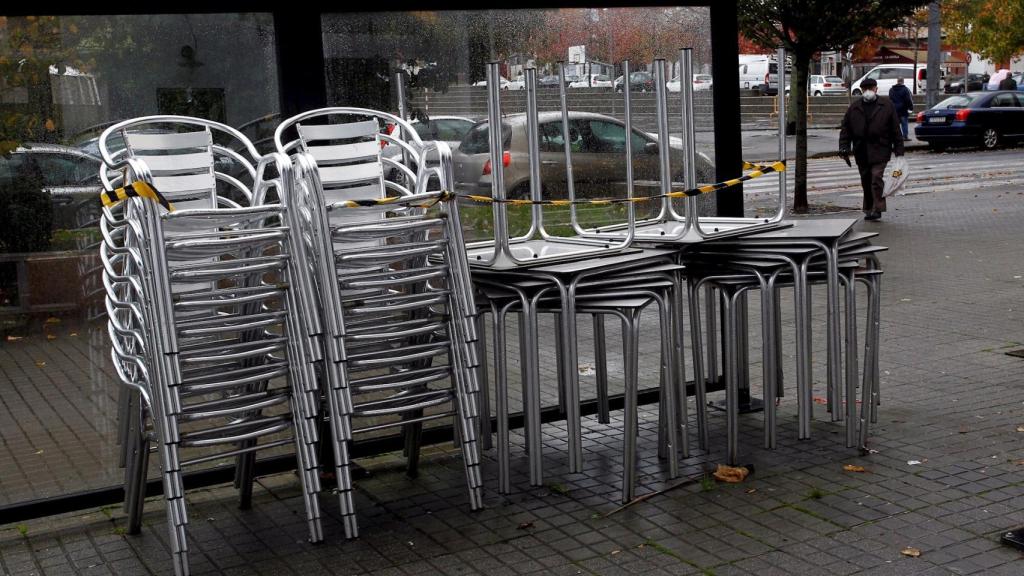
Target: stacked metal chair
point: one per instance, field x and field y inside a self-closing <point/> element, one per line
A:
<point x="204" y="318"/>
<point x="393" y="299"/>
<point x="737" y="267"/>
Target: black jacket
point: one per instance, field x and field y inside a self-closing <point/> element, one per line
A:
<point x="872" y="131"/>
<point x="901" y="99"/>
<point x="1008" y="83"/>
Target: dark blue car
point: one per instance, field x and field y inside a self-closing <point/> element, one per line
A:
<point x="986" y="119"/>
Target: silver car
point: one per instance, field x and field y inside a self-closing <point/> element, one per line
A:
<point x="598" y="144"/>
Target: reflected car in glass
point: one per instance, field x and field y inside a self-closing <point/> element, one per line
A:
<point x="598" y="145"/>
<point x="449" y="129"/>
<point x="985" y="119"/>
<point x="68" y="175"/>
<point x="701" y="82"/>
<point x="638" y="82"/>
<point x="592" y="81"/>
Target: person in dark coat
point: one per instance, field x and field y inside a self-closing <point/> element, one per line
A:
<point x="871" y="129"/>
<point x="903" y="102"/>
<point x="1008" y="83"/>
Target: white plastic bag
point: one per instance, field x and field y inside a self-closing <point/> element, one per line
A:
<point x="895" y="175"/>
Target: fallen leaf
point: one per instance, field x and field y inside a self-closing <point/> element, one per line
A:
<point x="38" y="452"/>
<point x="13" y="338"/>
<point x="1020" y="428"/>
<point x="1019" y="462"/>
<point x="73" y="334"/>
<point x="40" y="364"/>
<point x="524" y="525"/>
<point x="820" y="400"/>
<point x="752" y="490"/>
<point x="853" y="468"/>
<point x="730" y="474"/>
<point x="913" y="462"/>
<point x="614" y="552"/>
<point x="912" y="552"/>
<point x="585" y="370"/>
<point x="51" y="337"/>
<point x="964" y="429"/>
<point x="52" y="320"/>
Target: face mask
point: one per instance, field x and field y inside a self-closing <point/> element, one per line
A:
<point x="869" y="95"/>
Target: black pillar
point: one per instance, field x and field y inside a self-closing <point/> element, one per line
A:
<point x="724" y="67"/>
<point x="300" y="61"/>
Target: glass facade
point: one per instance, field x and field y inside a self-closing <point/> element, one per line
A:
<point x="63" y="79"/>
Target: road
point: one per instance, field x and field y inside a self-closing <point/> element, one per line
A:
<point x="960" y="170"/>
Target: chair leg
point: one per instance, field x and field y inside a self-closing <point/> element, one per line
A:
<point x="482" y="376"/>
<point x="630" y="335"/>
<point x="601" y="369"/>
<point x="851" y="362"/>
<point x="670" y="406"/>
<point x="700" y="389"/>
<point x="731" y="378"/>
<point x="501" y="401"/>
<point x="136" y="472"/>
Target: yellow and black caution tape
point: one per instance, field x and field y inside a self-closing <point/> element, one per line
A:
<point x="144" y="190"/>
<point x="137" y="189"/>
<point x="758" y="170"/>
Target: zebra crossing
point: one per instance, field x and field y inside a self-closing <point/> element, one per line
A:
<point x="929" y="172"/>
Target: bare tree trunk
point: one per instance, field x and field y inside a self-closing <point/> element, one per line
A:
<point x="798" y="91"/>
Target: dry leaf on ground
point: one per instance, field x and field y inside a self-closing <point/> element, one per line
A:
<point x="854" y="468"/>
<point x="13" y="338"/>
<point x="1020" y="428"/>
<point x="525" y="525"/>
<point x="731" y="474"/>
<point x="912" y="552"/>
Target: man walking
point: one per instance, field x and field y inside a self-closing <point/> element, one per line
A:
<point x="903" y="102"/>
<point x="873" y="129"/>
<point x="1008" y="83"/>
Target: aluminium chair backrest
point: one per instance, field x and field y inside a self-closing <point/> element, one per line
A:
<point x="179" y="157"/>
<point x="337" y="152"/>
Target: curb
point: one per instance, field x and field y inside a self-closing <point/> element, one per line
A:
<point x="835" y="153"/>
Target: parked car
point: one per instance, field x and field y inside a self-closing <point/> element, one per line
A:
<point x="550" y="81"/>
<point x="592" y="81"/>
<point x="700" y="82"/>
<point x="70" y="177"/>
<point x="599" y="166"/>
<point x="518" y="84"/>
<point x="819" y="85"/>
<point x="638" y="82"/>
<point x="449" y="129"/>
<point x="502" y="80"/>
<point x="887" y="74"/>
<point x="975" y="83"/>
<point x="986" y="119"/>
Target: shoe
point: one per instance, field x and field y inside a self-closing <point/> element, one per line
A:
<point x="873" y="216"/>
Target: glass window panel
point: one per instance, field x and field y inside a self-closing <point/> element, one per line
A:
<point x="63" y="80"/>
<point x="442" y="56"/>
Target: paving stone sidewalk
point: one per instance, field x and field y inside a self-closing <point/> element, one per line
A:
<point x="953" y="304"/>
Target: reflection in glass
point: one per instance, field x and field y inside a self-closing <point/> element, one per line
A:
<point x="62" y="81"/>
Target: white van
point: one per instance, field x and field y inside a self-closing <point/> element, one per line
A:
<point x="886" y="75"/>
<point x="753" y="69"/>
<point x="759" y="72"/>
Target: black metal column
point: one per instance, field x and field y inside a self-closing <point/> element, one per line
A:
<point x="301" y="82"/>
<point x="728" y="145"/>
